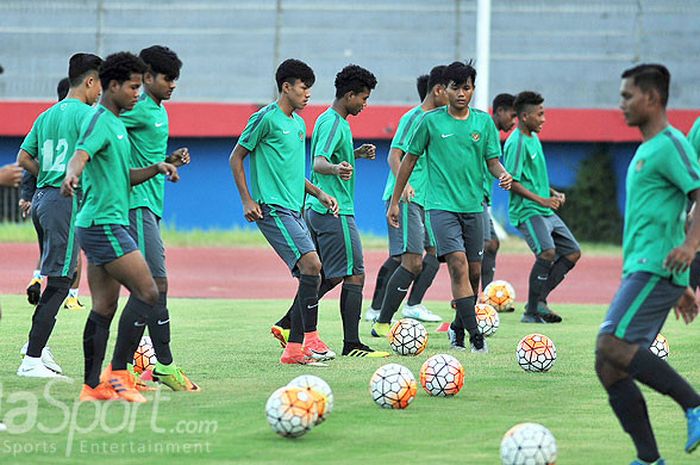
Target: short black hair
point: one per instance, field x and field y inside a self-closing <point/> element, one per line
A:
<point x="648" y="76"/>
<point x="526" y="98"/>
<point x="354" y="78"/>
<point x="119" y="67"/>
<point x="459" y="72"/>
<point x="422" y="86"/>
<point x="80" y="64"/>
<point x="502" y="101"/>
<point x="437" y="76"/>
<point x="290" y="70"/>
<point x="62" y="88"/>
<point x="162" y="60"/>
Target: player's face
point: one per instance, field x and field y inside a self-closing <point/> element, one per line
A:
<point x="160" y="85"/>
<point x="459" y="95"/>
<point x="127" y="94"/>
<point x="633" y="103"/>
<point x="534" y="117"/>
<point x="298" y="94"/>
<point x="357" y="102"/>
<point x="505" y="119"/>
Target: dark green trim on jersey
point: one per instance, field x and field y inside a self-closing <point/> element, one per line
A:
<point x="118" y="251"/>
<point x="257" y="122"/>
<point x="92" y="124"/>
<point x="348" y="245"/>
<point x="415" y="115"/>
<point x="682" y="153"/>
<point x="636" y="305"/>
<point x="331" y="135"/>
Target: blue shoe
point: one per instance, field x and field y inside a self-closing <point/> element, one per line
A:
<point x="658" y="462"/>
<point x="693" y="416"/>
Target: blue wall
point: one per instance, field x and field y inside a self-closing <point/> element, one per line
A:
<point x="206" y="196"/>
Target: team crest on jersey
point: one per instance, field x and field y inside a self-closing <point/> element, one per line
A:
<point x="639" y="166"/>
<point x="476" y="136"/>
<point x="301" y="135"/>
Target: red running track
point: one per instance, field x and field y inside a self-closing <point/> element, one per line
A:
<point x="257" y="273"/>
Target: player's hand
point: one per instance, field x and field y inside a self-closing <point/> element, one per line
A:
<point x="25" y="206"/>
<point x="180" y="157"/>
<point x="687" y="306"/>
<point x="550" y="202"/>
<point x="559" y="195"/>
<point x="368" y="151"/>
<point x="169" y="170"/>
<point x="10" y="175"/>
<point x="252" y="211"/>
<point x="392" y="215"/>
<point x="679" y="259"/>
<point x="343" y="170"/>
<point x="70" y="184"/>
<point x="329" y="202"/>
<point x="408" y="193"/>
<point x="505" y="181"/>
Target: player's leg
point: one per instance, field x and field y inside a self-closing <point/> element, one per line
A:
<point x="72" y="302"/>
<point x="539" y="239"/>
<point x="414" y="307"/>
<point x="385" y="271"/>
<point x="568" y="252"/>
<point x="491" y="246"/>
<point x="473" y="237"/>
<point x="34" y="287"/>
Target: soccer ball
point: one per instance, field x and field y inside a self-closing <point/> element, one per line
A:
<point x="660" y="347"/>
<point x="291" y="411"/>
<point x="499" y="294"/>
<point x="393" y="386"/>
<point x="442" y="375"/>
<point x="145" y="356"/>
<point x="487" y="319"/>
<point x="528" y="444"/>
<point x="318" y="387"/>
<point x="536" y="352"/>
<point x="408" y="337"/>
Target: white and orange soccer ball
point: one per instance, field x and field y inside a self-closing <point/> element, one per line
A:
<point x="528" y="444"/>
<point x="393" y="386"/>
<point x="659" y="347"/>
<point x="487" y="319"/>
<point x="442" y="375"/>
<point x="318" y="387"/>
<point x="292" y="411"/>
<point x="145" y="356"/>
<point x="499" y="294"/>
<point x="536" y="352"/>
<point x="408" y="337"/>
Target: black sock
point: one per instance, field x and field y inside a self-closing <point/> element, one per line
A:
<point x="562" y="266"/>
<point x="385" y="272"/>
<point x="44" y="318"/>
<point x="660" y="376"/>
<point x="630" y="408"/>
<point x="308" y="301"/>
<point x="159" y="328"/>
<point x="488" y="268"/>
<point x="326" y="287"/>
<point x="95" y="337"/>
<point x="131" y="325"/>
<point x="465" y="313"/>
<point x="350" y="311"/>
<point x="538" y="277"/>
<point x="396" y="290"/>
<point x="423" y="281"/>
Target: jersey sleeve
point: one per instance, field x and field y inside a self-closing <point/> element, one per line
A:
<point x="328" y="138"/>
<point x="514" y="157"/>
<point x="681" y="168"/>
<point x="407" y="126"/>
<point x="30" y="144"/>
<point x="92" y="137"/>
<point x="420" y="138"/>
<point x="493" y="144"/>
<point x="694" y="138"/>
<point x="255" y="130"/>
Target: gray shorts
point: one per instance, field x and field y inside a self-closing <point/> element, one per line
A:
<point x="105" y="243"/>
<point x="338" y="244"/>
<point x="548" y="232"/>
<point x="287" y="233"/>
<point x="54" y="219"/>
<point x="640" y="308"/>
<point x="144" y="228"/>
<point x="411" y="236"/>
<point x="456" y="232"/>
<point x="487" y="223"/>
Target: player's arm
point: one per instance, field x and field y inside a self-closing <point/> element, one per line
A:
<point x="326" y="200"/>
<point x="394" y="160"/>
<point x="550" y="202"/>
<point x="323" y="166"/>
<point x="179" y="157"/>
<point x="28" y="162"/>
<point x="368" y="151"/>
<point x="680" y="259"/>
<point x="73" y="172"/>
<point x="251" y="209"/>
<point x="141" y="175"/>
<point x="405" y="170"/>
<point x="505" y="180"/>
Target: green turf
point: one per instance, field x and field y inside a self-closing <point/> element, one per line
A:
<point x="224" y="345"/>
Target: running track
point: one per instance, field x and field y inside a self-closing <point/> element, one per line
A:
<point x="257" y="273"/>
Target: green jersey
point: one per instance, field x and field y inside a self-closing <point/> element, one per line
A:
<point x="277" y="146"/>
<point x="332" y="139"/>
<point x="419" y="177"/>
<point x="105" y="179"/>
<point x="659" y="178"/>
<point x="694" y="137"/>
<point x="147" y="124"/>
<point x="52" y="140"/>
<point x="455" y="151"/>
<point x="524" y="160"/>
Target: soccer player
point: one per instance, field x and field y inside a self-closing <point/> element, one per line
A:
<point x="408" y="243"/>
<point x="422" y="86"/>
<point x="694" y="139"/>
<point x="531" y="209"/>
<point x="102" y="158"/>
<point x="661" y="178"/>
<point x="454" y="139"/>
<point x="147" y="126"/>
<point x="503" y="115"/>
<point x="45" y="153"/>
<point x="275" y="138"/>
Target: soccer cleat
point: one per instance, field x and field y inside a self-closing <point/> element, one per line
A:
<point x="478" y="343"/>
<point x="300" y="359"/>
<point x="693" y="416"/>
<point x="124" y="384"/>
<point x="281" y="334"/>
<point x="102" y="391"/>
<point x="547" y="314"/>
<point x="46" y="358"/>
<point x="509" y="309"/>
<point x="372" y="314"/>
<point x="173" y="377"/>
<point x="34" y="368"/>
<point x="531" y="318"/>
<point x="72" y="303"/>
<point x="358" y="349"/>
<point x="34" y="291"/>
<point x="641" y="462"/>
<point x="380" y="329"/>
<point x="3" y="427"/>
<point x="319" y="350"/>
<point x="456" y="338"/>
<point x="420" y="312"/>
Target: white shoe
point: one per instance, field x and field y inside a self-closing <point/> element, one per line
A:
<point x="46" y="358"/>
<point x="34" y="368"/>
<point x="3" y="428"/>
<point x="483" y="350"/>
<point x="419" y="312"/>
<point x="371" y="314"/>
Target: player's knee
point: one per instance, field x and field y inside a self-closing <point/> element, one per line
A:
<point x="413" y="263"/>
<point x="548" y="255"/>
<point x="613" y="350"/>
<point x="358" y="279"/>
<point x="492" y="246"/>
<point x="457" y="266"/>
<point x="310" y="264"/>
<point x="574" y="257"/>
<point x="431" y="251"/>
<point x="148" y="293"/>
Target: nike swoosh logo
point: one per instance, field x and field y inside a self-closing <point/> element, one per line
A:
<point x="311" y="306"/>
<point x="163" y="322"/>
<point x="481" y="252"/>
<point x="402" y="290"/>
<point x="445" y="136"/>
<point x="159" y="125"/>
<point x="120" y="136"/>
<point x="136" y="323"/>
<point x="285" y="132"/>
<point x="542" y="278"/>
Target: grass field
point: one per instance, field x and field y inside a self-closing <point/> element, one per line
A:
<point x="224" y="346"/>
